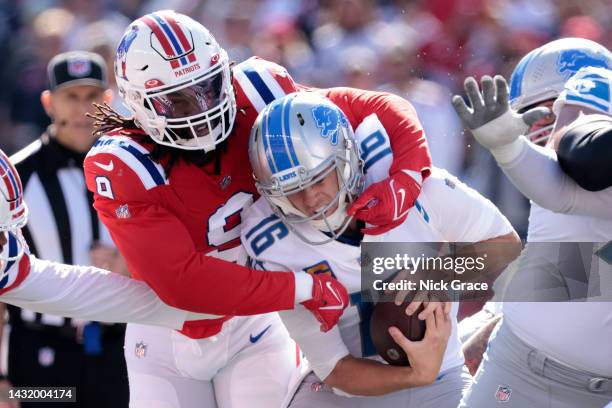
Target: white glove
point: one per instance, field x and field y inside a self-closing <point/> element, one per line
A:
<point x="490" y="119"/>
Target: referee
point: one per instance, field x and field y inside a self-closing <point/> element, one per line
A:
<point x="47" y="350"/>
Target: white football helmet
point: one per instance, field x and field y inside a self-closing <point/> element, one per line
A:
<point x="296" y="142"/>
<point x="175" y="79"/>
<point x="13" y="210"/>
<point x="542" y="73"/>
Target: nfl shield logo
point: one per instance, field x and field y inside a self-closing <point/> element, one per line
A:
<point x="503" y="393"/>
<point x="123" y="211"/>
<point x="79" y="67"/>
<point x="141" y="349"/>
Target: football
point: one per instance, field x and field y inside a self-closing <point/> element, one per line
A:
<point x="387" y="314"/>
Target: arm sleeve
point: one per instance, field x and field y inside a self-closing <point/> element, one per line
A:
<point x="160" y="251"/>
<point x="551" y="188"/>
<point x="91" y="294"/>
<point x="400" y="120"/>
<point x="585" y="154"/>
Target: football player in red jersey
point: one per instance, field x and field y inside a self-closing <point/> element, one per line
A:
<point x="171" y="185"/>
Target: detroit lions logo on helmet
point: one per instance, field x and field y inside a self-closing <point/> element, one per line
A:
<point x="329" y="121"/>
<point x="572" y="60"/>
<point x="122" y="50"/>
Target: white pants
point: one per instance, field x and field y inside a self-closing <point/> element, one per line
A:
<point x="249" y="364"/>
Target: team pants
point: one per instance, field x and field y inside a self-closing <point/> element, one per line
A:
<point x="250" y="363"/>
<point x="445" y="392"/>
<point x="513" y="374"/>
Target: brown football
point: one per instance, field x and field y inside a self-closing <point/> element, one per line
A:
<point x="387" y="314"/>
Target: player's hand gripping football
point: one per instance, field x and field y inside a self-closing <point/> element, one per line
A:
<point x="431" y="300"/>
<point x="329" y="299"/>
<point x="426" y="356"/>
<point x="490" y="119"/>
<point x="386" y="204"/>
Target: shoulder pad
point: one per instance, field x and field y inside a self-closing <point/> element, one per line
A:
<point x="253" y="215"/>
<point x="131" y="153"/>
<point x="259" y="82"/>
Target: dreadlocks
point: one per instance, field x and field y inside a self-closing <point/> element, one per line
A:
<point x="106" y="120"/>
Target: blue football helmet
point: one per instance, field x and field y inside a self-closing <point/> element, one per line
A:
<point x="542" y="73"/>
<point x="297" y="141"/>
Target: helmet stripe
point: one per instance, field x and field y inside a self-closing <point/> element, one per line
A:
<point x="516" y="81"/>
<point x="11" y="183"/>
<point x="276" y="138"/>
<point x="266" y="142"/>
<point x="161" y="38"/>
<point x="287" y="130"/>
<point x="170" y="35"/>
<point x="178" y="31"/>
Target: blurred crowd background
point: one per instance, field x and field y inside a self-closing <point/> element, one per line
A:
<point x="421" y="50"/>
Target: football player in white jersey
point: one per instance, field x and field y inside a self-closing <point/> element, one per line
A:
<point x="301" y="223"/>
<point x="499" y="128"/>
<point x="558" y="347"/>
<point x="82" y="292"/>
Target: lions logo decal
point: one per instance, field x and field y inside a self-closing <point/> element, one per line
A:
<point x="329" y="121"/>
<point x="571" y="61"/>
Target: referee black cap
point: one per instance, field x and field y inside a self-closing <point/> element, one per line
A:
<point x="77" y="68"/>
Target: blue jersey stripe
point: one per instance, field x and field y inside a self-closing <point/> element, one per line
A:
<point x="261" y="87"/>
<point x="146" y="162"/>
<point x="421" y="210"/>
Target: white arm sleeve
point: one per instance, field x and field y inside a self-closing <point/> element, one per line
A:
<point x="90" y="293"/>
<point x="537" y="174"/>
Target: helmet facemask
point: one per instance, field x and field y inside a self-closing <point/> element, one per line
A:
<point x="197" y="114"/>
<point x="541" y="134"/>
